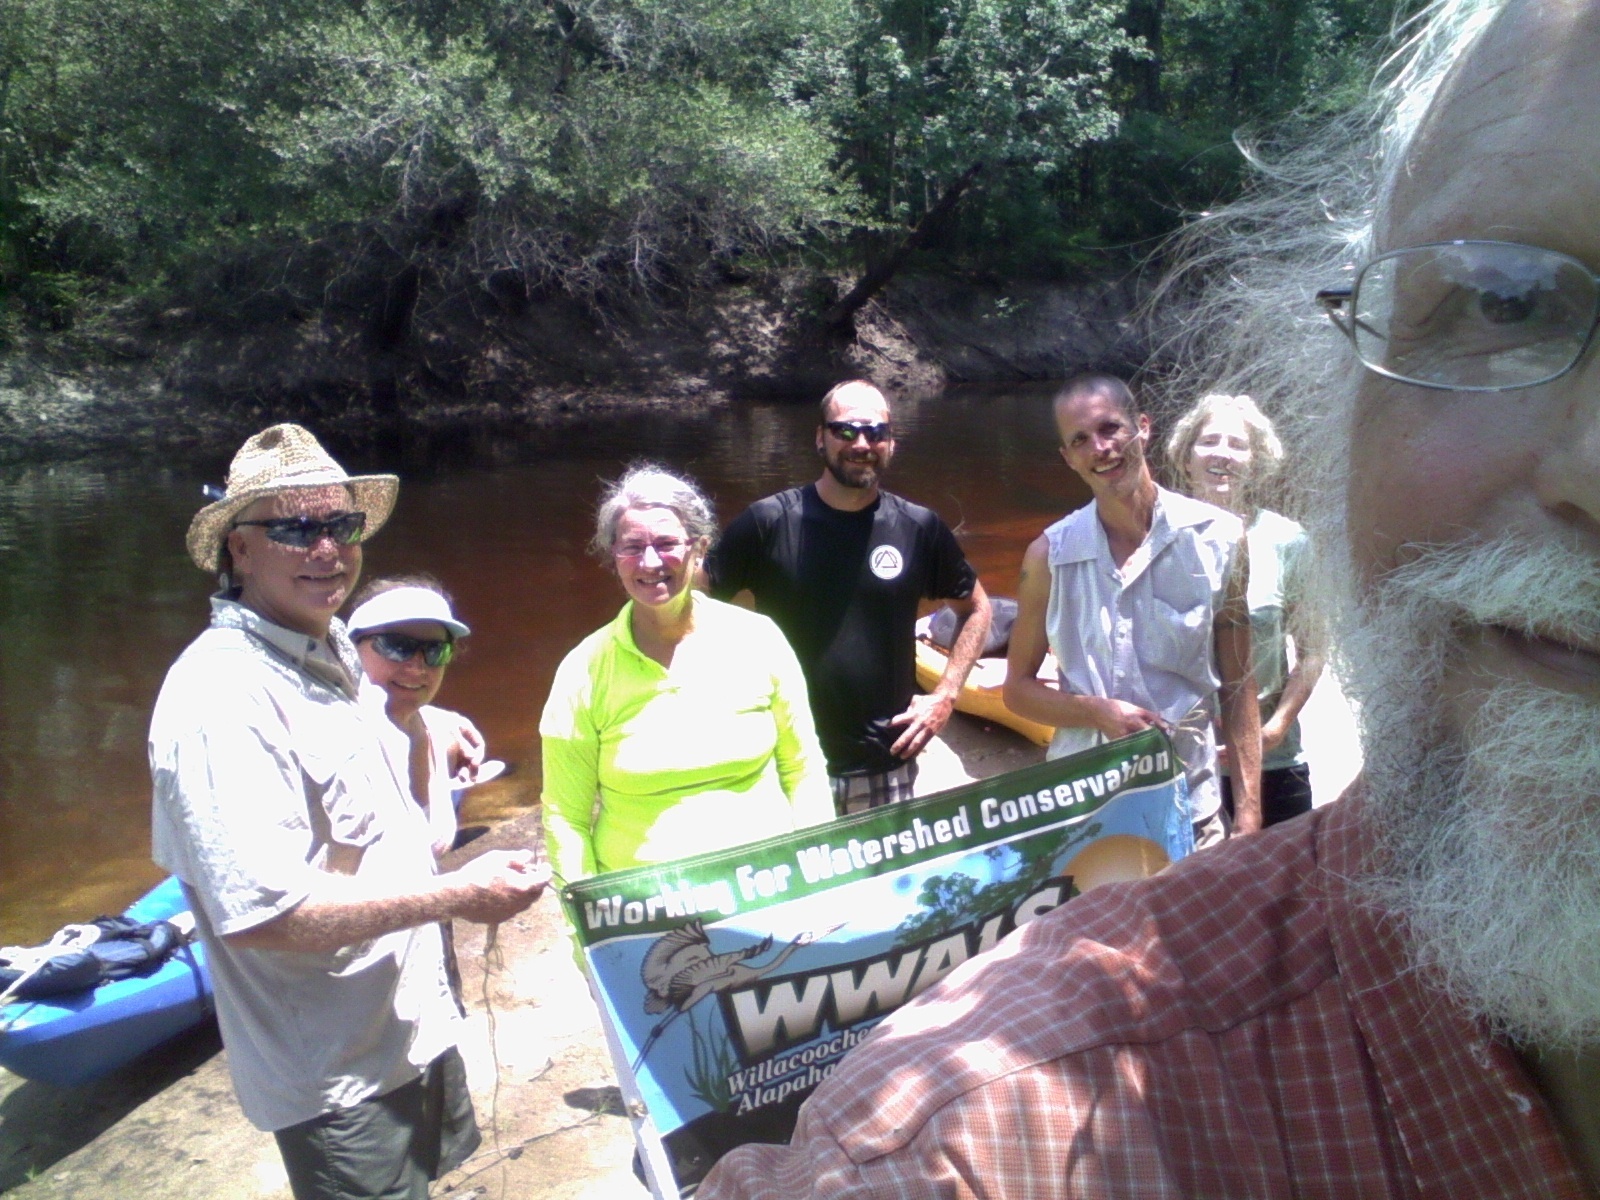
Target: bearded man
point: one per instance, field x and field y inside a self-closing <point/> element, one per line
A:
<point x="841" y="565"/>
<point x="1400" y="994"/>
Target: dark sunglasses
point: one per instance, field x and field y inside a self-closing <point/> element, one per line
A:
<point x="849" y="431"/>
<point x="399" y="648"/>
<point x="305" y="532"/>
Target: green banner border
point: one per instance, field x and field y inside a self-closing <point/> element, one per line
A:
<point x="741" y="879"/>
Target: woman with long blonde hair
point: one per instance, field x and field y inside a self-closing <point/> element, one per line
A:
<point x="1225" y="451"/>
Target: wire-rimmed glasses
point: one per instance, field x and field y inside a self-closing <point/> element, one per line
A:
<point x="1471" y="316"/>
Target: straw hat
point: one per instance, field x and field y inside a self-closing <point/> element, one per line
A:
<point x="281" y="459"/>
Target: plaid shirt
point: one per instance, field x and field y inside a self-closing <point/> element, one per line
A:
<point x="1235" y="1028"/>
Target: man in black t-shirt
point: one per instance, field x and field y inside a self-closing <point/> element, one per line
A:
<point x="841" y="565"/>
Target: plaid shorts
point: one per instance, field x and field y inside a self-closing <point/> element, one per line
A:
<point x="857" y="793"/>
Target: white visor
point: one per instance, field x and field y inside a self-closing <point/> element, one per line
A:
<point x="403" y="604"/>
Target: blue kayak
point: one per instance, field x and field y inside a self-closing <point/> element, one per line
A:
<point x="79" y="1036"/>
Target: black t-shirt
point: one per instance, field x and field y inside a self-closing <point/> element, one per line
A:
<point x="844" y="588"/>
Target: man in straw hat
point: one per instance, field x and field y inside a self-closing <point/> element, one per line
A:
<point x="308" y="866"/>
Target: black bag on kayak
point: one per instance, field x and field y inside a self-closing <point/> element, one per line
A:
<point x="126" y="947"/>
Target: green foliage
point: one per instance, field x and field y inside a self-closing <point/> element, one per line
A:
<point x="592" y="145"/>
<point x="712" y="1061"/>
<point x="1162" y="171"/>
<point x="1215" y="70"/>
<point x="917" y="91"/>
<point x="584" y="143"/>
<point x="117" y="140"/>
<point x="948" y="901"/>
<point x="1239" y="61"/>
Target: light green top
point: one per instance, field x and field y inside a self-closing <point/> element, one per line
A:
<point x="645" y="763"/>
<point x="1277" y="546"/>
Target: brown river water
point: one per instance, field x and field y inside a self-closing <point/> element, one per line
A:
<point x="97" y="595"/>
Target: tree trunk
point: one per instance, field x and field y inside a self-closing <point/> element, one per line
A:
<point x="1144" y="20"/>
<point x="877" y="277"/>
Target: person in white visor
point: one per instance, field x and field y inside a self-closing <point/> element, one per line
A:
<point x="407" y="635"/>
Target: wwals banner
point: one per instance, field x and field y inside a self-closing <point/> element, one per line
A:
<point x="732" y="983"/>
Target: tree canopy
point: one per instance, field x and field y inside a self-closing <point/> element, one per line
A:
<point x="590" y="145"/>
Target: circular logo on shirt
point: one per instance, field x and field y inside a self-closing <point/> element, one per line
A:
<point x="886" y="562"/>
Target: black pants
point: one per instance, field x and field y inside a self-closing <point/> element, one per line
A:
<point x="1285" y="793"/>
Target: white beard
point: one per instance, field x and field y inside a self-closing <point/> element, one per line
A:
<point x="1488" y="838"/>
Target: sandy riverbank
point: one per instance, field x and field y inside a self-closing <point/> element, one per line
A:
<point x="168" y="1128"/>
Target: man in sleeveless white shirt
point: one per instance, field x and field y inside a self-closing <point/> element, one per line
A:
<point x="1141" y="596"/>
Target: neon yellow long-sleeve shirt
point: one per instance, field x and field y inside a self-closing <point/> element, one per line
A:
<point x="644" y="763"/>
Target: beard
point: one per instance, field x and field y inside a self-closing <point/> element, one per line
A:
<point x="1487" y="828"/>
<point x="854" y="474"/>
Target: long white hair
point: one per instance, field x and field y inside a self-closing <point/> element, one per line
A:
<point x="1486" y="814"/>
<point x="1246" y="276"/>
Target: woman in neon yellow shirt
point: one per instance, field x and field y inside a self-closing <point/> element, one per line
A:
<point x="683" y="725"/>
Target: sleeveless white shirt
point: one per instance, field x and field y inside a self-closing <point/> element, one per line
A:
<point x="1143" y="634"/>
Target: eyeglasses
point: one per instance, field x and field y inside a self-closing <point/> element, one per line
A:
<point x="399" y="648"/>
<point x="849" y="431"/>
<point x="665" y="548"/>
<point x="1469" y="316"/>
<point x="305" y="532"/>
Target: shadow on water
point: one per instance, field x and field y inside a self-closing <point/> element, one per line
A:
<point x="41" y="1124"/>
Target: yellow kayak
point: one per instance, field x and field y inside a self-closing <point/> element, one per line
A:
<point x="983" y="693"/>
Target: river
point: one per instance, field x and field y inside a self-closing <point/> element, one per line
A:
<point x="97" y="595"/>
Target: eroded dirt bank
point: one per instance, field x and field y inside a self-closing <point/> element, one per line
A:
<point x="363" y="360"/>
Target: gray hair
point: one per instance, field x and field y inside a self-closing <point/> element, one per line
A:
<point x="1306" y="222"/>
<point x="646" y="485"/>
<point x="1247" y="276"/>
<point x="1265" y="447"/>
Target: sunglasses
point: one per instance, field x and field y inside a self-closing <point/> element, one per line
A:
<point x="849" y="431"/>
<point x="305" y="532"/>
<point x="399" y="648"/>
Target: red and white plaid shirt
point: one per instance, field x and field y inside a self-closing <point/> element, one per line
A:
<point x="1235" y="1028"/>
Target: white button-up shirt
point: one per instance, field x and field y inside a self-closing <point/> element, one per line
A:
<point x="264" y="767"/>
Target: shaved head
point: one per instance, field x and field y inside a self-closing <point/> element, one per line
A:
<point x="854" y="393"/>
<point x="1108" y="387"/>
